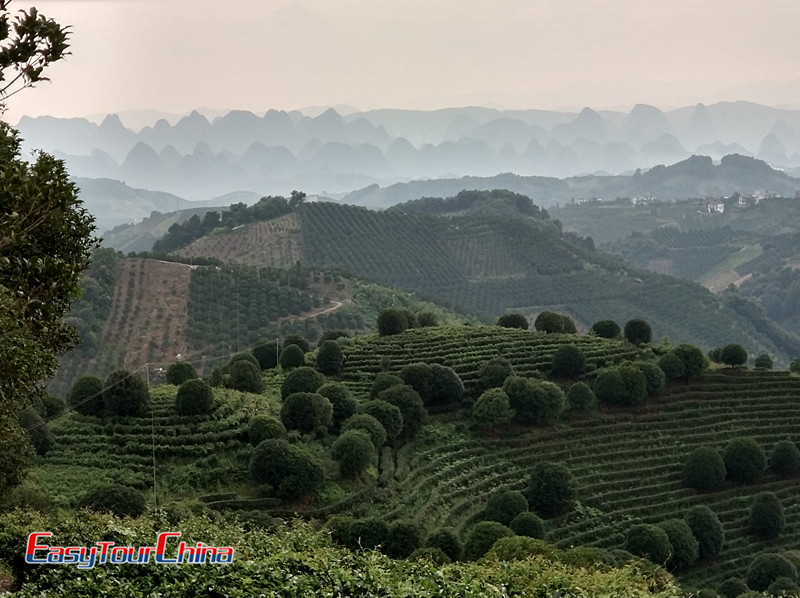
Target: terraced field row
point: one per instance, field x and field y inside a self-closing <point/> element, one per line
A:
<point x="627" y="467"/>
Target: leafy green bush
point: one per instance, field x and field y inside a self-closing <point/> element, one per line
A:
<point x="434" y="555"/>
<point x="179" y="372"/>
<point x="266" y="353"/>
<point x="330" y="359"/>
<point x="263" y="427"/>
<point x="745" y="460"/>
<point x="297" y="341"/>
<point x="194" y="397"/>
<point x="694" y="362"/>
<point x="519" y="548"/>
<point x="704" y="469"/>
<point x="38" y="432"/>
<point x="654" y="376"/>
<point x="638" y="331"/>
<point x="685" y="549"/>
<point x="354" y="452"/>
<point x="609" y="386"/>
<point x="426" y="319"/>
<point x="446" y="388"/>
<point x="732" y="587"/>
<point x="344" y="405"/>
<point x="504" y="505"/>
<point x="292" y="357"/>
<point x="568" y="362"/>
<point x="388" y="415"/>
<point x="795" y="365"/>
<point x="733" y="354"/>
<point x="534" y="401"/>
<point x="114" y="498"/>
<point x="382" y="381"/>
<point x="551" y="322"/>
<point x="411" y="408"/>
<point x="767" y="518"/>
<point x="606" y="329"/>
<point x="418" y="376"/>
<point x="492" y="409"/>
<point x="706" y="529"/>
<point x="763" y="362"/>
<point x="635" y="384"/>
<point x="290" y="469"/>
<point x="245" y="376"/>
<point x="404" y="538"/>
<point x="580" y="396"/>
<point x="125" y="394"/>
<point x="783" y="586"/>
<point x="368" y="533"/>
<point x="391" y="321"/>
<point x="494" y="372"/>
<point x="672" y="366"/>
<point x="52" y="405"/>
<point x="785" y="458"/>
<point x="528" y="524"/>
<point x="370" y="425"/>
<point x="301" y="379"/>
<point x="648" y="541"/>
<point x="513" y="320"/>
<point x="766" y="568"/>
<point x="248" y="357"/>
<point x="306" y="412"/>
<point x="550" y="491"/>
<point x="482" y="537"/>
<point x="446" y="540"/>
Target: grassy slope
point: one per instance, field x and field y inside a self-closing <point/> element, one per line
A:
<point x="628" y="465"/>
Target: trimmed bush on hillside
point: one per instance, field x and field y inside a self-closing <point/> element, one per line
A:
<point x="694" y="362"/>
<point x="513" y="320"/>
<point x="125" y="394"/>
<point x="504" y="505"/>
<point x="38" y="432"/>
<point x="534" y="401"/>
<point x="266" y="353"/>
<point x="114" y="498"/>
<point x="767" y="518"/>
<point x="411" y="408"/>
<point x="446" y="540"/>
<point x="609" y="387"/>
<point x="344" y="405"/>
<point x="382" y="381"/>
<point x="638" y="331"/>
<point x="492" y="409"/>
<point x="528" y="524"/>
<point x="551" y="490"/>
<point x="404" y="538"/>
<point x="307" y="412"/>
<point x="368" y="533"/>
<point x="568" y="362"/>
<point x="194" y="397"/>
<point x="733" y="355"/>
<point x="370" y="425"/>
<point x="179" y="372"/>
<point x="551" y="323"/>
<point x="298" y="341"/>
<point x="330" y="359"/>
<point x="763" y="362"/>
<point x="494" y="372"/>
<point x="482" y="537"/>
<point x="766" y="568"/>
<point x="388" y="415"/>
<point x="606" y="329"/>
<point x="580" y="396"/>
<point x="418" y="376"/>
<point x="650" y="542"/>
<point x="446" y="388"/>
<point x="794" y="367"/>
<point x="391" y="321"/>
<point x="785" y="458"/>
<point x="732" y="588"/>
<point x="654" y="376"/>
<point x="292" y="357"/>
<point x="264" y="427"/>
<point x="635" y="384"/>
<point x="354" y="452"/>
<point x="707" y="529"/>
<point x="290" y="469"/>
<point x="245" y="376"/>
<point x="302" y="379"/>
<point x="685" y="549"/>
<point x="745" y="460"/>
<point x="704" y="469"/>
<point x="672" y="366"/>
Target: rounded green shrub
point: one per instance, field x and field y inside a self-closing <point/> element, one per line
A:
<point x="494" y="372"/>
<point x="179" y="372"/>
<point x="306" y="412"/>
<point x="418" y="376"/>
<point x="504" y="505"/>
<point x="248" y="357"/>
<point x="794" y="367"/>
<point x="694" y="362"/>
<point x="783" y="586"/>
<point x="123" y="501"/>
<point x="763" y="362"/>
<point x="492" y="409"/>
<point x="292" y="357"/>
<point x="482" y="537"/>
<point x="654" y="376"/>
<point x="411" y="408"/>
<point x="263" y="427"/>
<point x="785" y="458"/>
<point x="635" y="384"/>
<point x="52" y="404"/>
<point x="446" y="540"/>
<point x="606" y="329"/>
<point x="528" y="524"/>
<point x="446" y="388"/>
<point x="370" y="425"/>
<point x="650" y="542"/>
<point x="581" y="397"/>
<point x="290" y="469"/>
<point x="766" y="568"/>
<point x="707" y="530"/>
<point x="733" y="355"/>
<point x="297" y="341"/>
<point x="609" y="386"/>
<point x="194" y="397"/>
<point x="382" y="381"/>
<point x="685" y="549"/>
<point x="434" y="555"/>
<point x="391" y="321"/>
<point x="266" y="353"/>
<point x="672" y="366"/>
<point x="330" y="359"/>
<point x="550" y="491"/>
<point x="767" y="518"/>
<point x="732" y="587"/>
<point x="125" y="394"/>
<point x="704" y="469"/>
<point x="745" y="460"/>
<point x="354" y="452"/>
<point x="86" y="396"/>
<point x="368" y="533"/>
<point x="37" y="430"/>
<point x="388" y="415"/>
<point x="638" y="331"/>
<point x="404" y="538"/>
<point x="568" y="362"/>
<point x="245" y="376"/>
<point x="344" y="405"/>
<point x="518" y="548"/>
<point x="301" y="379"/>
<point x="513" y="320"/>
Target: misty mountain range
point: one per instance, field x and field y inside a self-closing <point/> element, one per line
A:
<point x="332" y="154"/>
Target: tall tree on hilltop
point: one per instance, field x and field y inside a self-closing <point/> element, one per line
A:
<point x="45" y="242"/>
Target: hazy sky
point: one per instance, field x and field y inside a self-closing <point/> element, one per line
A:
<point x="176" y="55"/>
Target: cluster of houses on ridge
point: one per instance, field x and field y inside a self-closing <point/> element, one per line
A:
<point x="710" y="204"/>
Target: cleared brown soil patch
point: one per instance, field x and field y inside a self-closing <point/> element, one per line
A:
<point x="147" y="322"/>
<point x="275" y="243"/>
